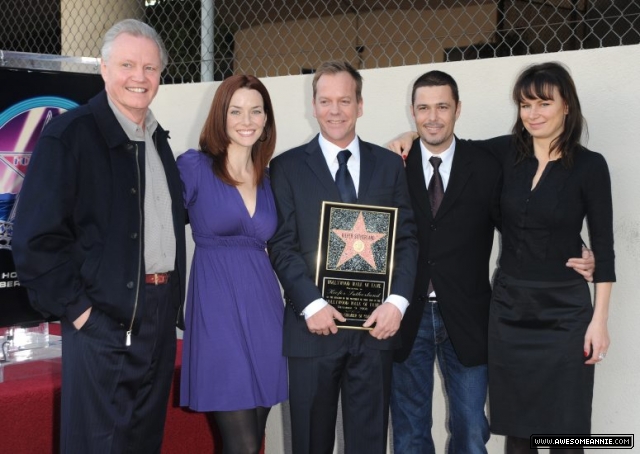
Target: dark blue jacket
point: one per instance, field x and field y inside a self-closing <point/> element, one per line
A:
<point x="78" y="235"/>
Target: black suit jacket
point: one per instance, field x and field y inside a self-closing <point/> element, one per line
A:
<point x="301" y="181"/>
<point x="455" y="249"/>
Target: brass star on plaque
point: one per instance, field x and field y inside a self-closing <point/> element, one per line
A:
<point x="358" y="241"/>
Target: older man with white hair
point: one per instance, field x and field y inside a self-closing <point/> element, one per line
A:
<point x="99" y="243"/>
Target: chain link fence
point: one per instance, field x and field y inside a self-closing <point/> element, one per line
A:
<point x="212" y="39"/>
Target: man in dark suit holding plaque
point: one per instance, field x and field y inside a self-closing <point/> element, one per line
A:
<point x="325" y="361"/>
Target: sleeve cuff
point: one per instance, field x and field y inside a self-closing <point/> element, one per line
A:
<point x="398" y="301"/>
<point x="313" y="307"/>
<point x="77" y="308"/>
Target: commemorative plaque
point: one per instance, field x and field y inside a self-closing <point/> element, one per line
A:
<point x="355" y="258"/>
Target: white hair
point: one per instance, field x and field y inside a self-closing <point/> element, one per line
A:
<point x="133" y="27"/>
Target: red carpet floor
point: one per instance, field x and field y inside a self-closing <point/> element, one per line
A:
<point x="30" y="409"/>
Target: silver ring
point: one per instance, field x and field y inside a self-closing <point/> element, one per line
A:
<point x="601" y="356"/>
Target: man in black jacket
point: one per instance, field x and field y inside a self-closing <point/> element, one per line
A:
<point x="448" y="316"/>
<point x="99" y="243"/>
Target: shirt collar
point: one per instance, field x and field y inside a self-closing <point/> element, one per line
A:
<point x="132" y="129"/>
<point x="446" y="155"/>
<point x="331" y="150"/>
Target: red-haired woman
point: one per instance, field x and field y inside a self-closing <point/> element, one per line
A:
<point x="233" y="367"/>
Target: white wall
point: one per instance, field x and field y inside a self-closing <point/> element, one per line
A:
<point x="607" y="81"/>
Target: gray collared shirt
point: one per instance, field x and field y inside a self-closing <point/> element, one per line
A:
<point x="159" y="236"/>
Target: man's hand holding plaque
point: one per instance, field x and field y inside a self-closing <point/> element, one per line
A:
<point x="323" y="321"/>
<point x="386" y="318"/>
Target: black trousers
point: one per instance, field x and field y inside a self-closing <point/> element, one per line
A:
<point x="114" y="397"/>
<point x="362" y="377"/>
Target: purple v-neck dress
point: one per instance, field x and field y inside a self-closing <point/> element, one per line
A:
<point x="232" y="352"/>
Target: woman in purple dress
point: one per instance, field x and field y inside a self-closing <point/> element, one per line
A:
<point x="232" y="365"/>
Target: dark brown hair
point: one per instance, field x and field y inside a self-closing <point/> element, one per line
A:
<point x="538" y="81"/>
<point x="435" y="79"/>
<point x="214" y="140"/>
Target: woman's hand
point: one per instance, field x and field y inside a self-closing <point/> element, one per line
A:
<point x="402" y="144"/>
<point x="596" y="341"/>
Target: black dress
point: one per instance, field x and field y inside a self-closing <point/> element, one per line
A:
<point x="540" y="309"/>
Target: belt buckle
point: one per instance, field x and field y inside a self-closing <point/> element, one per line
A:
<point x="157" y="278"/>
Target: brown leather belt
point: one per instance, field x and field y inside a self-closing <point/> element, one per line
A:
<point x="157" y="278"/>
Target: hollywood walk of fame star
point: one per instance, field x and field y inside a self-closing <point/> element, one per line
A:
<point x="358" y="242"/>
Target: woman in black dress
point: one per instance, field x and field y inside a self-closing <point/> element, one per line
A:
<point x="545" y="335"/>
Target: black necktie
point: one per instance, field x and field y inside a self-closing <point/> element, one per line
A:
<point x="436" y="188"/>
<point x="343" y="179"/>
<point x="436" y="193"/>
